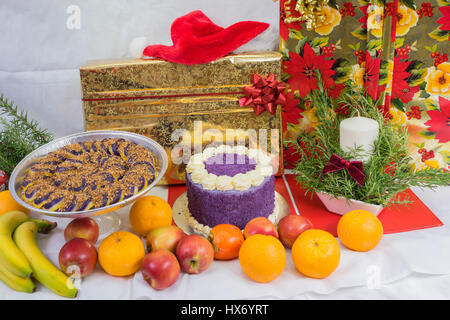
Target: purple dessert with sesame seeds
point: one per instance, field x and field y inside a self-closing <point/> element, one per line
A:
<point x="89" y="174"/>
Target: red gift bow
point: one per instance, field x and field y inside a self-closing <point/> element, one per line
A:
<point x="264" y="95"/>
<point x="354" y="168"/>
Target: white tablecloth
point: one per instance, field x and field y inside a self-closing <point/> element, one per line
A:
<point x="409" y="265"/>
<point x="41" y="49"/>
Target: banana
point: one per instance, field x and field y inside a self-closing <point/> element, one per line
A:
<point x="10" y="256"/>
<point x="43" y="270"/>
<point x="15" y="282"/>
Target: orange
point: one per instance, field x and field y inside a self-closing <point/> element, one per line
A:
<point x="359" y="230"/>
<point x="7" y="203"/>
<point x="316" y="253"/>
<point x="121" y="253"/>
<point x="262" y="258"/>
<point x="148" y="213"/>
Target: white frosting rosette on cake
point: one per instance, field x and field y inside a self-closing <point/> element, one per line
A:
<point x="241" y="181"/>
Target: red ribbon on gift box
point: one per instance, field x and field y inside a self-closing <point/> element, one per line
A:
<point x="264" y="95"/>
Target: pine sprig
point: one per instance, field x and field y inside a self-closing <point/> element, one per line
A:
<point x="20" y="117"/>
<point x="390" y="151"/>
<point x="18" y="136"/>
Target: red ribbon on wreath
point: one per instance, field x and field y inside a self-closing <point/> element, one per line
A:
<point x="354" y="168"/>
<point x="264" y="95"/>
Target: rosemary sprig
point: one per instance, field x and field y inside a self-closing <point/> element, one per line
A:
<point x="390" y="150"/>
<point x="18" y="136"/>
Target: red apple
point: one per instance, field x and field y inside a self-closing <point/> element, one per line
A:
<point x="166" y="237"/>
<point x="290" y="227"/>
<point x="195" y="254"/>
<point x="160" y="268"/>
<point x="78" y="257"/>
<point x="260" y="225"/>
<point x="85" y="228"/>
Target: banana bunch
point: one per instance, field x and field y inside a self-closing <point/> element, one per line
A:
<point x="21" y="259"/>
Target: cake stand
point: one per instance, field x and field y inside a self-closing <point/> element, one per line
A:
<point x="181" y="212"/>
<point x="106" y="217"/>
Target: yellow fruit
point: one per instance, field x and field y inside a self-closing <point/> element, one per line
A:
<point x="149" y="213"/>
<point x="7" y="203"/>
<point x="262" y="257"/>
<point x="43" y="270"/>
<point x="121" y="253"/>
<point x="359" y="230"/>
<point x="316" y="253"/>
<point x="15" y="282"/>
<point x="10" y="254"/>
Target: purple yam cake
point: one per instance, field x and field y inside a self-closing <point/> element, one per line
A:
<point x="230" y="185"/>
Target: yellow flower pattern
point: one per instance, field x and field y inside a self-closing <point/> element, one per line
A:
<point x="309" y="120"/>
<point x="406" y="19"/>
<point x="332" y="19"/>
<point x="357" y="75"/>
<point x="439" y="80"/>
<point x="375" y="20"/>
<point x="398" y="117"/>
<point x="390" y="75"/>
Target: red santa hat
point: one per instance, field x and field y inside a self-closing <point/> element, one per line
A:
<point x="196" y="39"/>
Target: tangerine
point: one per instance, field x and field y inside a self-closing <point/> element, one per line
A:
<point x="316" y="253"/>
<point x="227" y="240"/>
<point x="262" y="257"/>
<point x="148" y="213"/>
<point x="7" y="203"/>
<point x="359" y="230"/>
<point x="121" y="253"/>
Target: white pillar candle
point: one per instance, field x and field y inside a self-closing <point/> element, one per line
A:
<point x="358" y="132"/>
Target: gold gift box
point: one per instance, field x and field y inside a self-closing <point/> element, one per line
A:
<point x="154" y="98"/>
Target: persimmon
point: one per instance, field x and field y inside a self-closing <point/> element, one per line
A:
<point x="226" y="240"/>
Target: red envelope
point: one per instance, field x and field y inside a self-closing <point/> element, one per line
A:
<point x="413" y="216"/>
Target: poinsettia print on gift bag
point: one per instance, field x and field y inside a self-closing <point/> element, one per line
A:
<point x="326" y="46"/>
<point x="421" y="85"/>
<point x="378" y="46"/>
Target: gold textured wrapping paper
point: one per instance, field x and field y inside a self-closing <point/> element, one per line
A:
<point x="154" y="98"/>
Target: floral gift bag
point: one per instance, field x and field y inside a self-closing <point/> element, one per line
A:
<point x="395" y="50"/>
<point x="420" y="94"/>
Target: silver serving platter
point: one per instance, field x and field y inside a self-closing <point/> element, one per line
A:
<point x="20" y="170"/>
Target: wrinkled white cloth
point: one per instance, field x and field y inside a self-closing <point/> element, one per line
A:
<point x="409" y="265"/>
<point x="41" y="49"/>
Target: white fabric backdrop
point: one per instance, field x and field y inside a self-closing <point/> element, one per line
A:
<point x="39" y="61"/>
<point x="40" y="55"/>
